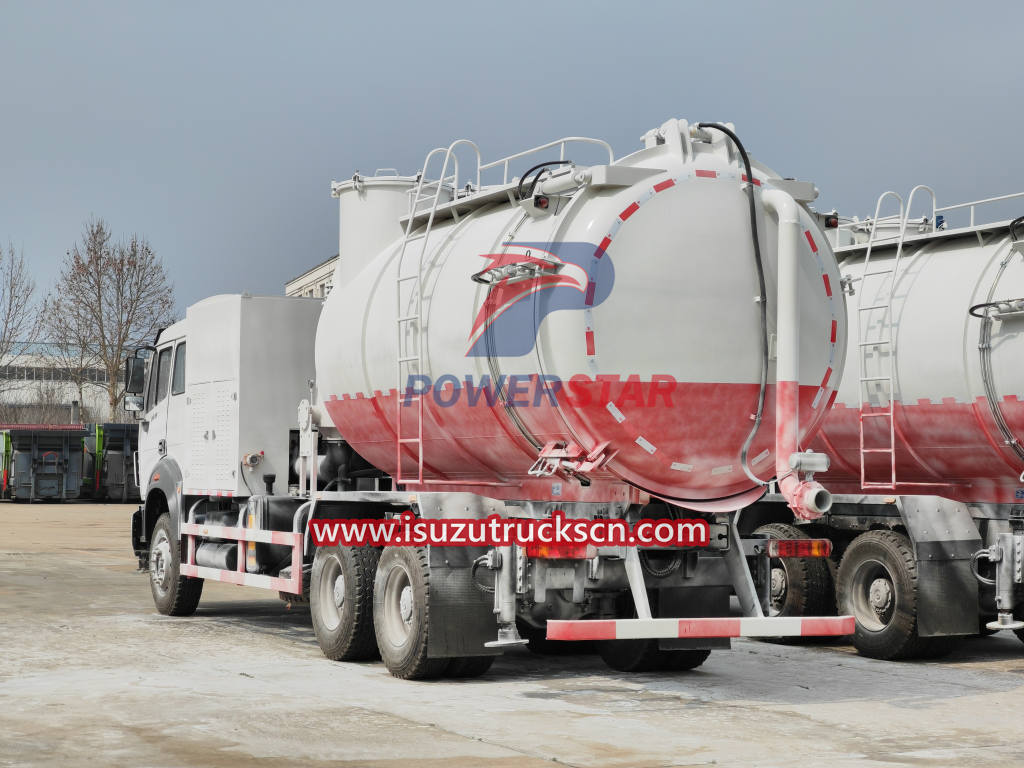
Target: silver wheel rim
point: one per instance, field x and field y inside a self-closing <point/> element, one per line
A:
<point x="160" y="562"/>
<point x="399" y="604"/>
<point x="873" y="597"/>
<point x="331" y="593"/>
<point x="779" y="588"/>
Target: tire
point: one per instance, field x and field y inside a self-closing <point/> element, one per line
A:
<point x="540" y="645"/>
<point x="401" y="613"/>
<point x="174" y="595"/>
<point x="877" y="583"/>
<point x="800" y="586"/>
<point x="341" y="602"/>
<point x="683" y="661"/>
<point x="465" y="667"/>
<point x="631" y="655"/>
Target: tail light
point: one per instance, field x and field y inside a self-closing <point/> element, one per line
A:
<point x="560" y="551"/>
<point x="799" y="548"/>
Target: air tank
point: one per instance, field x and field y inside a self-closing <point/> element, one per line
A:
<point x="591" y="333"/>
<point x="955" y="361"/>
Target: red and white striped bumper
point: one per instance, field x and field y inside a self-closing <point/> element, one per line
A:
<point x="759" y="626"/>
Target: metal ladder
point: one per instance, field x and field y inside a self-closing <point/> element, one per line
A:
<point x="409" y="305"/>
<point x="884" y="341"/>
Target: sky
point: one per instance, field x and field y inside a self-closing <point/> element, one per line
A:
<point x="214" y="129"/>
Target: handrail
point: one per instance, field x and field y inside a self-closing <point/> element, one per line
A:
<point x="975" y="203"/>
<point x="560" y="143"/>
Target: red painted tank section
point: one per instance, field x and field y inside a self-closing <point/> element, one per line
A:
<point x="955" y="445"/>
<point x="480" y="443"/>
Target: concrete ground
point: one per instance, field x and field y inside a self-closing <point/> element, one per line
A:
<point x="90" y="674"/>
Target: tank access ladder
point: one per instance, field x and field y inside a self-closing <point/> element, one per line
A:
<point x="881" y="342"/>
<point x="409" y="303"/>
<point x="409" y="282"/>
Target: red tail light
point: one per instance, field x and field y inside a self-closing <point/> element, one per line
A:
<point x="799" y="548"/>
<point x="561" y="551"/>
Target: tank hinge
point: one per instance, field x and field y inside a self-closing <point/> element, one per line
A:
<point x="569" y="459"/>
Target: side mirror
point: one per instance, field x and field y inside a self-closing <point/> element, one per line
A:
<point x="134" y="377"/>
<point x="133" y="403"/>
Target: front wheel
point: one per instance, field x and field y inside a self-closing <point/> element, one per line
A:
<point x="401" y="613"/>
<point x="174" y="595"/>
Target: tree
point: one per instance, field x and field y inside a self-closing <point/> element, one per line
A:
<point x="18" y="318"/>
<point x="110" y="298"/>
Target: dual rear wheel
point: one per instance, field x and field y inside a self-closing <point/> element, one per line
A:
<point x="368" y="603"/>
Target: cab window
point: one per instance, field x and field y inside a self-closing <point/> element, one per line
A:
<point x="178" y="377"/>
<point x="163" y="375"/>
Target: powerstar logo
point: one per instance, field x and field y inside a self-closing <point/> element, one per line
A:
<point x="529" y="281"/>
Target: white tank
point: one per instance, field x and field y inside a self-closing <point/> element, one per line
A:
<point x="957" y="379"/>
<point x="622" y="319"/>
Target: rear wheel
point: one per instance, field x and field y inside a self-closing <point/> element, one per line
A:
<point x="341" y="601"/>
<point x="468" y="666"/>
<point x="173" y="594"/>
<point x="681" y="661"/>
<point x="401" y="613"/>
<point x="631" y="655"/>
<point x="540" y="644"/>
<point x="800" y="586"/>
<point x="878" y="584"/>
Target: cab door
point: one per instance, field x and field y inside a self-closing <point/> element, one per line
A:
<point x="153" y="426"/>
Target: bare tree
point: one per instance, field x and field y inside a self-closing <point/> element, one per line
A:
<point x="110" y="298"/>
<point x="18" y="318"/>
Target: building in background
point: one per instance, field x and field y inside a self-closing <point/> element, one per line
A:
<point x="315" y="282"/>
<point x="36" y="389"/>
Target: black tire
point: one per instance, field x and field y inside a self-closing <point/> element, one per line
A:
<point x="877" y="583"/>
<point x="341" y="602"/>
<point x="801" y="586"/>
<point x="468" y="666"/>
<point x="1020" y="634"/>
<point x="173" y="594"/>
<point x="540" y="644"/>
<point x="631" y="655"/>
<point x="401" y="613"/>
<point x="683" y="661"/>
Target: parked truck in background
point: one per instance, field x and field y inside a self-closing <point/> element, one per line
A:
<point x="926" y="434"/>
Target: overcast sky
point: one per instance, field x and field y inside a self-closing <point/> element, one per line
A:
<point x="214" y="129"/>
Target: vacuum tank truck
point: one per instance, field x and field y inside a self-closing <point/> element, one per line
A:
<point x="925" y="434"/>
<point x="644" y="338"/>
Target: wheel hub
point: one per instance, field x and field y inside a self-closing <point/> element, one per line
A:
<point x="880" y="595"/>
<point x="339" y="590"/>
<point x="159" y="561"/>
<point x="405" y="604"/>
<point x="778" y="585"/>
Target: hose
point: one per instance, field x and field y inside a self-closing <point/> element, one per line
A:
<point x="533" y="185"/>
<point x="982" y="553"/>
<point x="472" y="576"/>
<point x="763" y="301"/>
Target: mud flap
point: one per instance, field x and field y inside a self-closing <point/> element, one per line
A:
<point x="461" y="615"/>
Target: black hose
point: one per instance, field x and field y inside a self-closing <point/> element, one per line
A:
<point x="538" y="167"/>
<point x="1016" y="225"/>
<point x="759" y="265"/>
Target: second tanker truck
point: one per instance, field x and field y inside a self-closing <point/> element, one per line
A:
<point x="926" y="434"/>
<point x="650" y="337"/>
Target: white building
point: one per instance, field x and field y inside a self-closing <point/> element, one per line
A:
<point x="35" y="389"/>
<point x="315" y="282"/>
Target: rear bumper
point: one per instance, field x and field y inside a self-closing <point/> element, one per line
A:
<point x="758" y="626"/>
